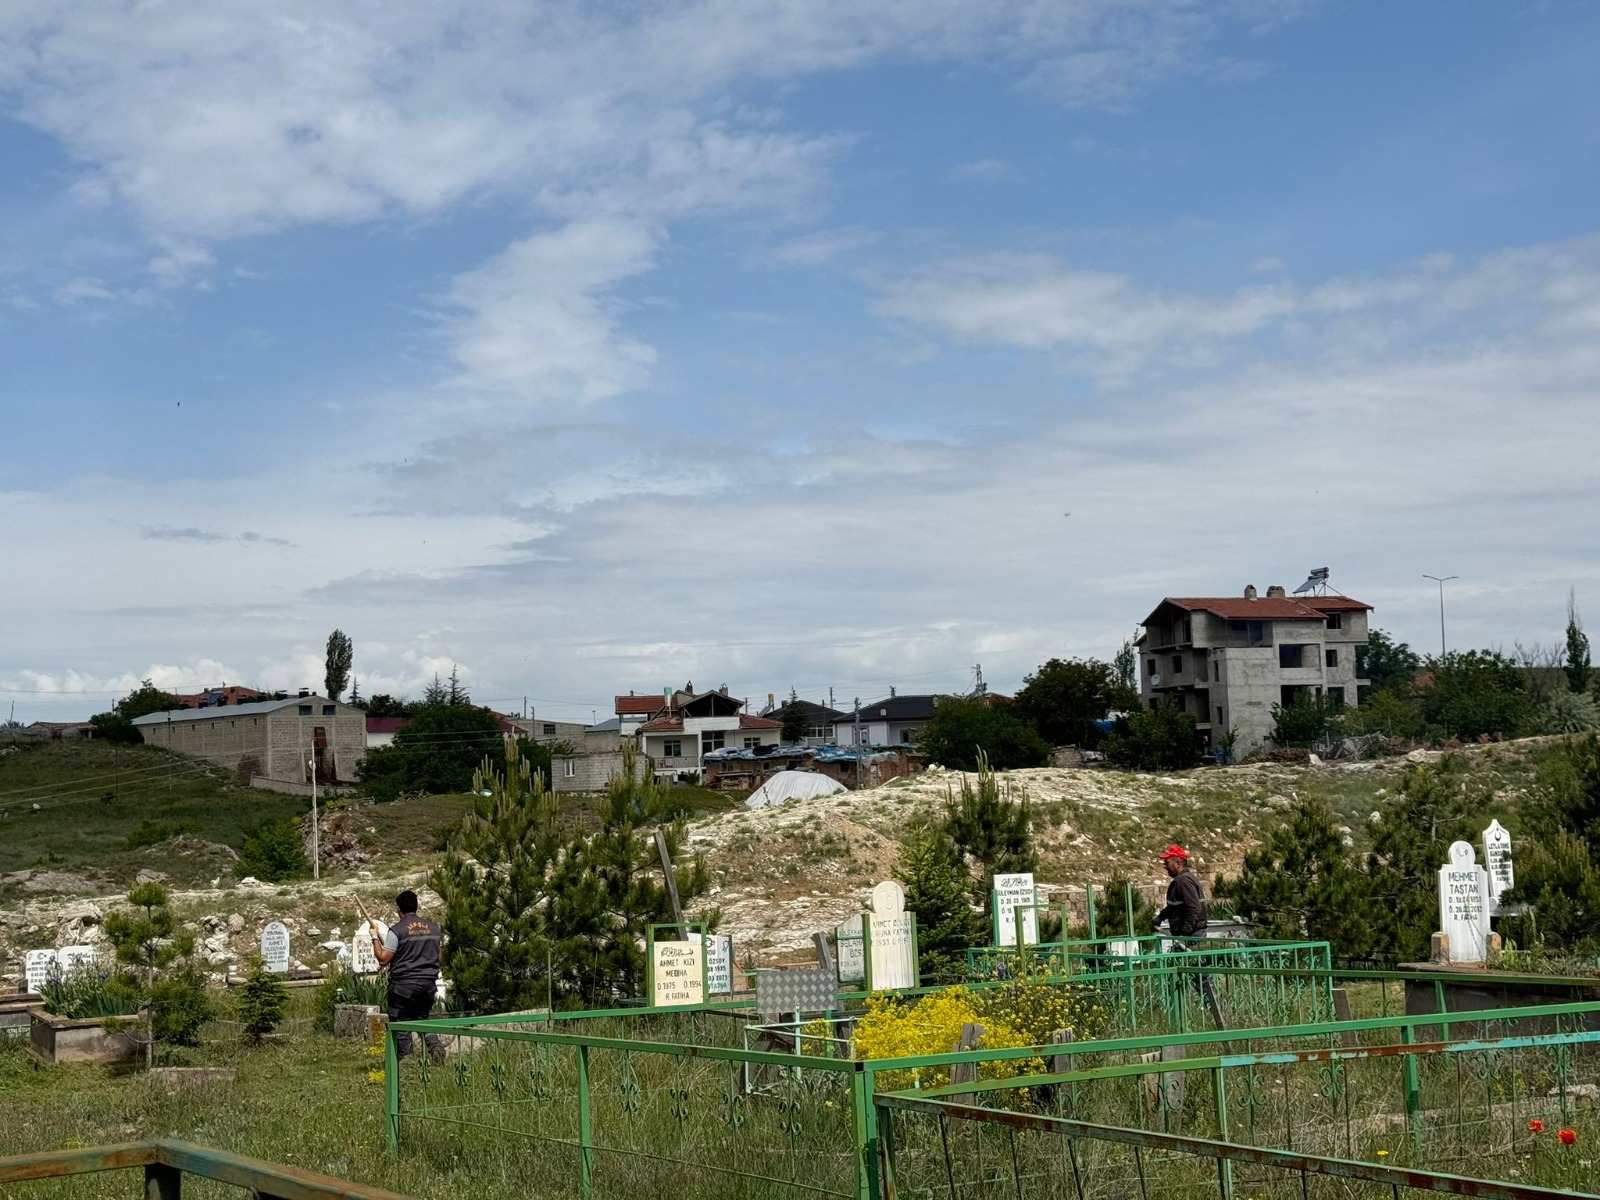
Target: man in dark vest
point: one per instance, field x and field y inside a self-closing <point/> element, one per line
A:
<point x="1185" y="913"/>
<point x="411" y="952"/>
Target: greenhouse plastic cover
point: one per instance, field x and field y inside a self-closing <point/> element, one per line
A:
<point x="792" y="785"/>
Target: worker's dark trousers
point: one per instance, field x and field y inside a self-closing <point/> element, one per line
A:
<point x="413" y="1006"/>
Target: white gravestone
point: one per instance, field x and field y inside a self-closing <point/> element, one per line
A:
<point x="852" y="961"/>
<point x="38" y="966"/>
<point x="1497" y="861"/>
<point x="719" y="964"/>
<point x="362" y="960"/>
<point x="275" y="948"/>
<point x="676" y="974"/>
<point x="1464" y="905"/>
<point x="1012" y="892"/>
<point x="77" y="958"/>
<point x="894" y="962"/>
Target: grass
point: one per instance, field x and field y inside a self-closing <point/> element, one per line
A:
<point x="91" y="795"/>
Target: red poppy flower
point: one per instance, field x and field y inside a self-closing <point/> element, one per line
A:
<point x="1535" y="1126"/>
<point x="1567" y="1136"/>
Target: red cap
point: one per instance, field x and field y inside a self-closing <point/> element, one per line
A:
<point x="1173" y="852"/>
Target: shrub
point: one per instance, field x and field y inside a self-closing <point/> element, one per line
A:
<point x="1569" y="712"/>
<point x="343" y="987"/>
<point x="274" y="852"/>
<point x="180" y="1006"/>
<point x="963" y="731"/>
<point x="1309" y="718"/>
<point x="260" y="1003"/>
<point x="936" y="880"/>
<point x="89" y="993"/>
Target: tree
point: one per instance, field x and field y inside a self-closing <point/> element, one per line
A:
<point x="340" y="655"/>
<point x="966" y="730"/>
<point x="1063" y="700"/>
<point x="1111" y="910"/>
<point x="151" y="942"/>
<point x="274" y="852"/>
<point x="1566" y="792"/>
<point x="1308" y="718"/>
<point x="1578" y="669"/>
<point x="1302" y="883"/>
<point x="937" y="882"/>
<point x="1411" y="841"/>
<point x="992" y="831"/>
<point x="1557" y="875"/>
<point x="1388" y="713"/>
<point x="117" y="724"/>
<point x="437" y="753"/>
<point x="1387" y="665"/>
<point x="1476" y="693"/>
<point x="384" y="705"/>
<point x="1125" y="667"/>
<point x="1163" y="738"/>
<point x="260" y="1003"/>
<point x="795" y="721"/>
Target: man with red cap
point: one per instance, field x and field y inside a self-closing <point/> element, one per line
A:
<point x="1185" y="913"/>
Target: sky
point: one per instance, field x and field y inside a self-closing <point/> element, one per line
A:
<point x="595" y="348"/>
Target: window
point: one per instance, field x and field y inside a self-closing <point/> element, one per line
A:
<point x="1335" y="620"/>
<point x="1221" y="720"/>
<point x="672" y="748"/>
<point x="750" y="743"/>
<point x="329" y="710"/>
<point x="1336" y="696"/>
<point x="715" y="740"/>
<point x="569" y="768"/>
<point x="1154" y="704"/>
<point x="305" y="710"/>
<point x="1332" y="658"/>
<point x="1177" y="664"/>
<point x="1290" y="657"/>
<point x="819" y="732"/>
<point x="908" y="737"/>
<point x="549" y="726"/>
<point x="1216" y="669"/>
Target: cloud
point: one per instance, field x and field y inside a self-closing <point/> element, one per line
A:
<point x="168" y="533"/>
<point x="81" y="289"/>
<point x="819" y="247"/>
<point x="986" y="170"/>
<point x="534" y="320"/>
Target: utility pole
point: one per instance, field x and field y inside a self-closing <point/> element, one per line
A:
<point x="1441" y="581"/>
<point x="316" y="832"/>
<point x="858" y="743"/>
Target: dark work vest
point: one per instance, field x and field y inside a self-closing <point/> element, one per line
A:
<point x="415" y="966"/>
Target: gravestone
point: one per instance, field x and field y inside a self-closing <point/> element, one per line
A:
<point x="275" y="948"/>
<point x="1464" y="905"/>
<point x="677" y="974"/>
<point x="77" y="958"/>
<point x="719" y="964"/>
<point x="852" y="960"/>
<point x="362" y="960"/>
<point x="779" y="992"/>
<point x="894" y="962"/>
<point x="1012" y="892"/>
<point x="1497" y="861"/>
<point x="38" y="966"/>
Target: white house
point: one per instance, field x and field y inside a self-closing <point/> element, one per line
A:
<point x="692" y="725"/>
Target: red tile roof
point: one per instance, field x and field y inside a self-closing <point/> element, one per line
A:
<point x="747" y="722"/>
<point x="639" y="706"/>
<point x="386" y="724"/>
<point x="1267" y="608"/>
<point x="663" y="725"/>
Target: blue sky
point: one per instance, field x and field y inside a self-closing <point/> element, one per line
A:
<point x="596" y="349"/>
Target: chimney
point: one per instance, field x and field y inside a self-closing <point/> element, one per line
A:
<point x="891" y="693"/>
<point x="769" y="699"/>
<point x="1249" y="591"/>
<point x="723" y="689"/>
<point x="305" y="691"/>
<point x="1276" y="592"/>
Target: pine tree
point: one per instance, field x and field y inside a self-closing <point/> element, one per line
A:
<point x="937" y="882"/>
<point x="1578" y="670"/>
<point x="339" y="657"/>
<point x="1410" y="843"/>
<point x="1302" y="884"/>
<point x="795" y="723"/>
<point x="260" y="1003"/>
<point x="494" y="885"/>
<point x="149" y="941"/>
<point x="992" y="829"/>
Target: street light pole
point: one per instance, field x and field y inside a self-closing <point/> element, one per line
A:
<point x="316" y="832"/>
<point x="1441" y="581"/>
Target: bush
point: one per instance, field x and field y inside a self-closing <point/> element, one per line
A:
<point x="1477" y="693"/>
<point x="343" y="987"/>
<point x="936" y="880"/>
<point x="261" y="1003"/>
<point x="1155" y="739"/>
<point x="152" y="833"/>
<point x="180" y="1006"/>
<point x="1569" y="712"/>
<point x="1309" y="718"/>
<point x="273" y="851"/>
<point x="89" y="993"/>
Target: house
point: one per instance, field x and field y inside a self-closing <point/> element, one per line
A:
<point x="694" y="724"/>
<point x="381" y="730"/>
<point x="820" y="719"/>
<point x="276" y="743"/>
<point x="1229" y="660"/>
<point x="59" y="731"/>
<point x="590" y="770"/>
<point x="893" y="721"/>
<point x="217" y="697"/>
<point x="633" y="711"/>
